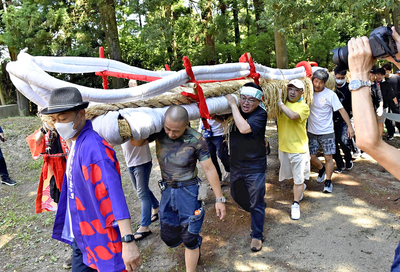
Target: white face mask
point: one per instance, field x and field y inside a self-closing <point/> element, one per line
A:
<point x="340" y="81"/>
<point x="66" y="130"/>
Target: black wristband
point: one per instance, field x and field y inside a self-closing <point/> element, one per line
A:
<point x="42" y="130"/>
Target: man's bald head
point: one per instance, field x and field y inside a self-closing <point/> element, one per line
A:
<point x="177" y="114"/>
<point x="176" y="121"/>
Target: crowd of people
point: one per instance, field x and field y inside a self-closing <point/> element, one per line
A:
<point x="93" y="215"/>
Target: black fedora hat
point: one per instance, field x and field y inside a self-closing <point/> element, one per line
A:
<point x="65" y="99"/>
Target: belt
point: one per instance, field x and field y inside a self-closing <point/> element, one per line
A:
<point x="176" y="185"/>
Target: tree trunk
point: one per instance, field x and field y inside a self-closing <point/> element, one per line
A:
<point x="247" y="20"/>
<point x="209" y="34"/>
<point x="169" y="36"/>
<point x="258" y="10"/>
<point x="22" y="101"/>
<point x="387" y="17"/>
<point x="396" y="17"/>
<point x="23" y="104"/>
<point x="236" y="21"/>
<point x="280" y="50"/>
<point x="109" y="23"/>
<point x="3" y="101"/>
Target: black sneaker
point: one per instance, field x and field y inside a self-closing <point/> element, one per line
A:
<point x="349" y="165"/>
<point x="321" y="175"/>
<point x="338" y="170"/>
<point x="8" y="182"/>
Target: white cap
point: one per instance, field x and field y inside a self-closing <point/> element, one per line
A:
<point x="297" y="83"/>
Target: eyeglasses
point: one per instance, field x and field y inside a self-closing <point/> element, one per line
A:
<point x="294" y="89"/>
<point x="243" y="99"/>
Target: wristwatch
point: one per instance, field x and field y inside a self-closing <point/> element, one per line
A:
<point x="357" y="84"/>
<point x="128" y="238"/>
<point x="220" y="200"/>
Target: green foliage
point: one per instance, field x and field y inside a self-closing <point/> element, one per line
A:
<point x="154" y="33"/>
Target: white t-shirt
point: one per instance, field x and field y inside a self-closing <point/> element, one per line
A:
<point x="320" y="121"/>
<point x="136" y="155"/>
<point x="216" y="127"/>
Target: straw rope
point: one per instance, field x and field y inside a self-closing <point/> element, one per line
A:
<point x="124" y="129"/>
<point x="173" y="97"/>
<point x="331" y="83"/>
<point x="270" y="91"/>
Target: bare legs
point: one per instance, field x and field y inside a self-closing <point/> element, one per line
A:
<point x="191" y="259"/>
<point x="328" y="164"/>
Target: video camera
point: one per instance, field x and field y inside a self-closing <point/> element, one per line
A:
<point x="2" y="138"/>
<point x="381" y="42"/>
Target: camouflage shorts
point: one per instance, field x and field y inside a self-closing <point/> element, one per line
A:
<point x="327" y="142"/>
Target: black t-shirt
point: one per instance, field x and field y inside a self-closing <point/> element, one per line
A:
<point x="56" y="148"/>
<point x="344" y="96"/>
<point x="376" y="95"/>
<point x="387" y="93"/>
<point x="248" y="151"/>
<point x="394" y="81"/>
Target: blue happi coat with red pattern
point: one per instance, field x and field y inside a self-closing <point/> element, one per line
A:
<point x="93" y="193"/>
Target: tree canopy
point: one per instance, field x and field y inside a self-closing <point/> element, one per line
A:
<point x="150" y="34"/>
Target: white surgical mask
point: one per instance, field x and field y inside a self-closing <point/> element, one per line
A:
<point x="340" y="81"/>
<point x="66" y="130"/>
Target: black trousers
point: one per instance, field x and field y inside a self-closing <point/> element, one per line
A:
<point x="345" y="143"/>
<point x="389" y="123"/>
<point x="3" y="167"/>
<point x="77" y="260"/>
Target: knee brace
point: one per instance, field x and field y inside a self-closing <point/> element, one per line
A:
<point x="190" y="240"/>
<point x="170" y="234"/>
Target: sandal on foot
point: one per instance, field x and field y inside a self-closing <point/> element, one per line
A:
<point x="143" y="235"/>
<point x="268" y="149"/>
<point x="154" y="217"/>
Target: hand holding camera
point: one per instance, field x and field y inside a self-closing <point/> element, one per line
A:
<point x="381" y="43"/>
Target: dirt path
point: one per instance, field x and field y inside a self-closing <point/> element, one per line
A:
<point x="354" y="229"/>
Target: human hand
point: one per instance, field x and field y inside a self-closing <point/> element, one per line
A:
<point x="131" y="256"/>
<point x="396" y="38"/>
<point x="46" y="126"/>
<point x="350" y="132"/>
<point x="379" y="111"/>
<point x="220" y="210"/>
<point x="360" y="58"/>
<point x="280" y="103"/>
<point x="231" y="100"/>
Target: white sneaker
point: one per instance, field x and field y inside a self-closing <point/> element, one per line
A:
<point x="302" y="195"/>
<point x="295" y="213"/>
<point x="356" y="154"/>
<point x="328" y="186"/>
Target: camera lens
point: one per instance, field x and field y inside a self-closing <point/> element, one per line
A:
<point x="340" y="57"/>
